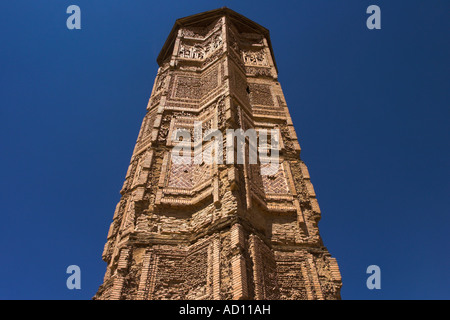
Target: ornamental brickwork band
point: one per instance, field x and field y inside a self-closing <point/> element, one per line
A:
<point x="216" y="230"/>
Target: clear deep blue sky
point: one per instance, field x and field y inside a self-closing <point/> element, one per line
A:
<point x="371" y="110"/>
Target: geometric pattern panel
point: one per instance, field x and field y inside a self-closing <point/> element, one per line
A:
<point x="276" y="183"/>
<point x="188" y="176"/>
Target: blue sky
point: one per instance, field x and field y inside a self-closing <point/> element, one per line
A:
<point x="370" y="107"/>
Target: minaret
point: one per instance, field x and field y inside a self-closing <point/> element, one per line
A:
<point x="209" y="229"/>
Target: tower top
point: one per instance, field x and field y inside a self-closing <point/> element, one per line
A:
<point x="241" y="22"/>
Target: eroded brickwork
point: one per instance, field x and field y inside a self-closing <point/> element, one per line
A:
<point x="216" y="231"/>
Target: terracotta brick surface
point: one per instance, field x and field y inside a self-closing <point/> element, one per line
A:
<point x="216" y="231"/>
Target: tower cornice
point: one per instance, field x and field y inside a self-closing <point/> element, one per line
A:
<point x="207" y="17"/>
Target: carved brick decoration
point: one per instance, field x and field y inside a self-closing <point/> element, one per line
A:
<point x="207" y="230"/>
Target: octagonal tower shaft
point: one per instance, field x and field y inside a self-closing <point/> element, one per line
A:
<point x="208" y="230"/>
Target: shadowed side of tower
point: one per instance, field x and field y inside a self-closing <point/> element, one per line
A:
<point x="208" y="230"/>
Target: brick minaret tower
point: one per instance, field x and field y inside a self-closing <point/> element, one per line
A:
<point x="210" y="230"/>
